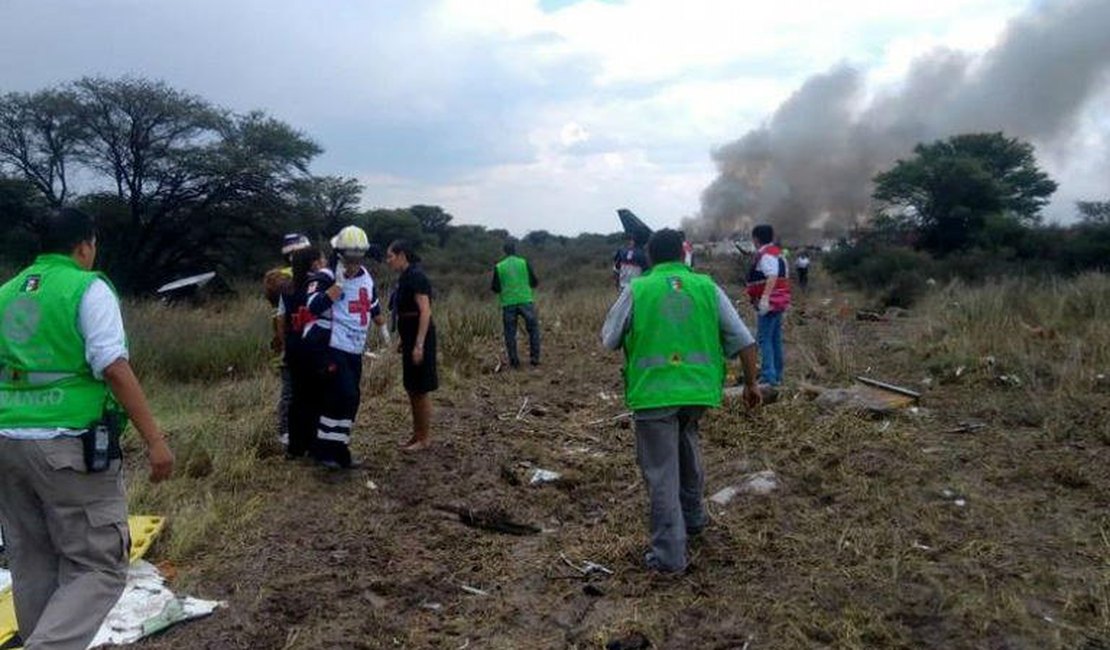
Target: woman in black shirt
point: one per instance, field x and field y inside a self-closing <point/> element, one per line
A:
<point x="413" y="306"/>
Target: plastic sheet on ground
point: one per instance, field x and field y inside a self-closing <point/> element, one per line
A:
<point x="147" y="606"/>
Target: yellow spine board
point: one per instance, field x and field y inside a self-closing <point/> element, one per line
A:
<point x="143" y="531"/>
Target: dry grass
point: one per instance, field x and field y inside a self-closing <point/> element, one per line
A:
<point x="865" y="545"/>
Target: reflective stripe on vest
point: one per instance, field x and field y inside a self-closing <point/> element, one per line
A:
<point x="673" y="352"/>
<point x="45" y="380"/>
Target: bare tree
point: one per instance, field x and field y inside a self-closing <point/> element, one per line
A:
<point x="40" y="133"/>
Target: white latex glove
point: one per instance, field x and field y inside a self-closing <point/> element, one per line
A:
<point x="764" y="305"/>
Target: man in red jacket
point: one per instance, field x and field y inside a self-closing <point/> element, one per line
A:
<point x="769" y="290"/>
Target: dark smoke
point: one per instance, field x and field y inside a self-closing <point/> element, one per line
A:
<point x="809" y="168"/>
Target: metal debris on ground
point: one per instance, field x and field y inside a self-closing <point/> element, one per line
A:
<point x="855" y="398"/>
<point x="616" y="418"/>
<point x="587" y="568"/>
<point x="967" y="426"/>
<point x="954" y="497"/>
<point x="474" y="590"/>
<point x="874" y="396"/>
<point x="890" y="388"/>
<point x="725" y="495"/>
<point x="540" y="476"/>
<point x="769" y="393"/>
<point x="873" y="316"/>
<point x="493" y="520"/>
<point x="758" y="483"/>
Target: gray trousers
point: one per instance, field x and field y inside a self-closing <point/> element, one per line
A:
<point x="667" y="451"/>
<point x="66" y="537"/>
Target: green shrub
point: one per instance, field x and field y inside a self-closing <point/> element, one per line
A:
<point x="894" y="275"/>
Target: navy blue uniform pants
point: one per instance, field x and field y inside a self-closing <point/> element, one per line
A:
<point x="340" y="406"/>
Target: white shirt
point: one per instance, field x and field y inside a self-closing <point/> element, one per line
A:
<point x="101" y="324"/>
<point x="768" y="264"/>
<point x="350" y="314"/>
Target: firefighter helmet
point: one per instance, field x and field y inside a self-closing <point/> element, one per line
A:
<point x="351" y="241"/>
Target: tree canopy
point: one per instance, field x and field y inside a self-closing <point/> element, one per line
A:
<point x="950" y="188"/>
<point x="180" y="185"/>
<point x="1094" y="212"/>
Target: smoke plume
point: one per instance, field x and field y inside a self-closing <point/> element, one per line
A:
<point x="808" y="169"/>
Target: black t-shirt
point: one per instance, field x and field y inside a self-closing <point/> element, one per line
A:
<point x="412" y="281"/>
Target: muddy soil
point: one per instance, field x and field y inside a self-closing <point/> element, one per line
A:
<point x="861" y="547"/>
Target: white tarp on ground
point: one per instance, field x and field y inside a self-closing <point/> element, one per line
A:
<point x="147" y="607"/>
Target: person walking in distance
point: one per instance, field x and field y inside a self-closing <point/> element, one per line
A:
<point x="768" y="287"/>
<point x="677" y="328"/>
<point x="629" y="263"/>
<point x="801" y="265"/>
<point x="66" y="390"/>
<point x="513" y="281"/>
<point x="413" y="301"/>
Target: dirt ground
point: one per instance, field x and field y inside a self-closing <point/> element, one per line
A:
<point x="910" y="530"/>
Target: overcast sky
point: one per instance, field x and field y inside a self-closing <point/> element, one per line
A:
<point x="521" y="114"/>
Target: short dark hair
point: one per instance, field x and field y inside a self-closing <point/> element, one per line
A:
<point x="509" y="248"/>
<point x="406" y="248"/>
<point x="665" y="246"/>
<point x="61" y="229"/>
<point x="763" y="233"/>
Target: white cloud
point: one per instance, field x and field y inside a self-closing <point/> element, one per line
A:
<point x="505" y="114"/>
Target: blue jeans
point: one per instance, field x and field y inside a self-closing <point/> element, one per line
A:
<point x="509" y="315"/>
<point x="769" y="336"/>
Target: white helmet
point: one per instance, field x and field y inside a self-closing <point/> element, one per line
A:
<point x="351" y="242"/>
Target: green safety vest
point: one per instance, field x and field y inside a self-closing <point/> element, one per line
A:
<point x="673" y="354"/>
<point x="516" y="289"/>
<point x="45" y="381"/>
